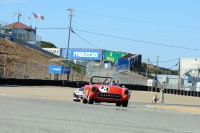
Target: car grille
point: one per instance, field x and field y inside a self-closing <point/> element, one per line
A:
<point x="109" y="95"/>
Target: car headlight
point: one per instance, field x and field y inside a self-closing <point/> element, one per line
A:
<point x="126" y="92"/>
<point x="94" y="89"/>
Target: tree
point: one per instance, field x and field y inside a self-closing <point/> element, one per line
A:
<point x="143" y="67"/>
<point x="47" y="45"/>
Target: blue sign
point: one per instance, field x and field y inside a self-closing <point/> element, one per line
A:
<point x="81" y="54"/>
<point x="66" y="69"/>
<point x="59" y="69"/>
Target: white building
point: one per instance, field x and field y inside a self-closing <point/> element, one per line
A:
<point x="190" y="67"/>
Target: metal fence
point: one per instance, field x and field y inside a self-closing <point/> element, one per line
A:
<point x="176" y="87"/>
<point x="122" y="73"/>
<point x="35" y="71"/>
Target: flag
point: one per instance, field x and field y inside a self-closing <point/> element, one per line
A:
<point x="27" y="17"/>
<point x="40" y="17"/>
<point x="18" y="14"/>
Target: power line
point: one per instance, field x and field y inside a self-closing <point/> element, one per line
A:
<point x="174" y="66"/>
<point x="151" y="62"/>
<point x="53" y="28"/>
<point x="163" y="61"/>
<point x="83" y="39"/>
<point x="129" y="39"/>
<point x="169" y="60"/>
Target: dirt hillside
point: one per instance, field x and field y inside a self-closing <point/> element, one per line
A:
<point x="19" y="61"/>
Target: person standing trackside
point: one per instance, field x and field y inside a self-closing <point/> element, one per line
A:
<point x="162" y="93"/>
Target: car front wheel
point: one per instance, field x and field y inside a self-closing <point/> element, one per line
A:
<point x="84" y="101"/>
<point x="125" y="104"/>
<point x="118" y="104"/>
<point x="90" y="100"/>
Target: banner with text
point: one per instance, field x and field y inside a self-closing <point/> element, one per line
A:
<point x="59" y="69"/>
<point x="55" y="51"/>
<point x="81" y="54"/>
<point x="113" y="56"/>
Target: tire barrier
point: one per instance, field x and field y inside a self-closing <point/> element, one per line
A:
<point x="188" y="93"/>
<point x="77" y="84"/>
<point x="198" y="94"/>
<point x="168" y="92"/>
<point x="174" y="91"/>
<point x="149" y="88"/>
<point x="184" y="93"/>
<point x="178" y="92"/>
<point x="153" y="89"/>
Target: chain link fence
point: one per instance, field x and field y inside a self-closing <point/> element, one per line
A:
<point x="122" y="73"/>
<point x="35" y="71"/>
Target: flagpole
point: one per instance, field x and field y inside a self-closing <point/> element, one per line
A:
<point x="31" y="19"/>
<point x="36" y="23"/>
<point x="13" y="17"/>
<point x="18" y="15"/>
<point x="25" y="19"/>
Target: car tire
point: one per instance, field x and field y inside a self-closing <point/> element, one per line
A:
<point x="90" y="100"/>
<point x="84" y="101"/>
<point x="118" y="104"/>
<point x="125" y="104"/>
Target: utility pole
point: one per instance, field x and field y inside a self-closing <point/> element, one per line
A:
<point x="179" y="75"/>
<point x="157" y="60"/>
<point x="70" y="15"/>
<point x="147" y="67"/>
<point x="157" y="67"/>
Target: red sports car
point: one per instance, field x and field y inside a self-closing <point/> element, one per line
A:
<point x="106" y="91"/>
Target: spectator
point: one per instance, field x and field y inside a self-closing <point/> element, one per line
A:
<point x="162" y="93"/>
<point x="155" y="99"/>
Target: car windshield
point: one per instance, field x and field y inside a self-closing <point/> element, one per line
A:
<point x="80" y="89"/>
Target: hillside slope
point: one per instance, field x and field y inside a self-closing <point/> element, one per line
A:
<point x="27" y="63"/>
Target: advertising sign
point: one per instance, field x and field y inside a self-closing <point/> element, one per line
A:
<point x="113" y="56"/>
<point x="55" y="51"/>
<point x="81" y="54"/>
<point x="59" y="69"/>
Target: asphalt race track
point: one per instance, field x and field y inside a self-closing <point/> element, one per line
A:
<point x="31" y="115"/>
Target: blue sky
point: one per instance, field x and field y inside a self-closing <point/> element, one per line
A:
<point x="117" y="25"/>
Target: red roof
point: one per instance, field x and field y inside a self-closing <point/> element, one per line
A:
<point x="17" y="25"/>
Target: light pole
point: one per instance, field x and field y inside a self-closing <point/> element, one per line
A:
<point x="71" y="10"/>
<point x="179" y="77"/>
<point x="147" y="67"/>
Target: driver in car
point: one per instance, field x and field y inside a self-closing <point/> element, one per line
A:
<point x="113" y="82"/>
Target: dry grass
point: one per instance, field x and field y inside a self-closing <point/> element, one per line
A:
<point x="25" y="62"/>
